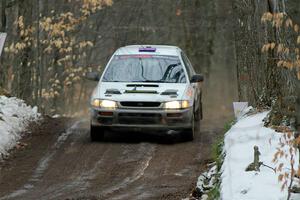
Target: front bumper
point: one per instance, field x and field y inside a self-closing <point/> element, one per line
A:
<point x="142" y="119"/>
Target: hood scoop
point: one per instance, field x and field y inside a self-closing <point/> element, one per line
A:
<point x="134" y="91"/>
<point x="169" y="92"/>
<point x="142" y="85"/>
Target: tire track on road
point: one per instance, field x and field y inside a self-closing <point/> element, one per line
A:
<point x="43" y="163"/>
<point x="150" y="152"/>
<point x="81" y="182"/>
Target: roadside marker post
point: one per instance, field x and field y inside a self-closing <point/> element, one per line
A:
<point x="2" y="41"/>
<point x="239" y="109"/>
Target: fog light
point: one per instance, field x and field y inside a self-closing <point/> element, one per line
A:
<point x="174" y="115"/>
<point x="106" y="113"/>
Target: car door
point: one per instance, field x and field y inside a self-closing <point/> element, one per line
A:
<point x="196" y="86"/>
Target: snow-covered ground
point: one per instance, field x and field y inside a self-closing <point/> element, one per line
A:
<point x="15" y="116"/>
<point x="237" y="184"/>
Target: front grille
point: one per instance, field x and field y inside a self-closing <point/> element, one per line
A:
<point x="139" y="118"/>
<point x="140" y="104"/>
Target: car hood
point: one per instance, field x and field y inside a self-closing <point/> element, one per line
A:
<point x="140" y="91"/>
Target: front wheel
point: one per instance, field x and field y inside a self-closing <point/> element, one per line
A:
<point x="198" y="113"/>
<point x="189" y="134"/>
<point x="96" y="133"/>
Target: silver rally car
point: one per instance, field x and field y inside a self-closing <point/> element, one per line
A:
<point x="147" y="88"/>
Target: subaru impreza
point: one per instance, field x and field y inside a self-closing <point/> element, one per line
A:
<point x="146" y="88"/>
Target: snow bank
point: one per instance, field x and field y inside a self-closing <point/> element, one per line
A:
<point x="15" y="115"/>
<point x="237" y="184"/>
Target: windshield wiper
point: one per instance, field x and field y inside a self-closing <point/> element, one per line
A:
<point x="154" y="81"/>
<point x="148" y="81"/>
<point x="106" y="80"/>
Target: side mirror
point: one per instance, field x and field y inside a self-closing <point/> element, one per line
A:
<point x="197" y="78"/>
<point x="93" y="76"/>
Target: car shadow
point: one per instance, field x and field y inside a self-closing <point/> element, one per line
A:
<point x="139" y="137"/>
<point x="116" y="136"/>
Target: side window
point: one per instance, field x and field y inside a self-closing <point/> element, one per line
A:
<point x="188" y="65"/>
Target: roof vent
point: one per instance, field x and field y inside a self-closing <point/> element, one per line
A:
<point x="112" y="91"/>
<point x="169" y="92"/>
<point x="147" y="49"/>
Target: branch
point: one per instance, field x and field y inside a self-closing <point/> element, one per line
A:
<point x="11" y="3"/>
<point x="269" y="167"/>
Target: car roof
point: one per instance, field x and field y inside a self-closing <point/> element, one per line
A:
<point x="159" y="50"/>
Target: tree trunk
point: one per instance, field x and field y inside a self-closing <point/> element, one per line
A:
<point x="3" y="16"/>
<point x="25" y="70"/>
<point x="298" y="107"/>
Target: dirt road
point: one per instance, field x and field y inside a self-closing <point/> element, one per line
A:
<point x="61" y="163"/>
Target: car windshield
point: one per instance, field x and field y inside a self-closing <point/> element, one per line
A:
<point x="145" y="68"/>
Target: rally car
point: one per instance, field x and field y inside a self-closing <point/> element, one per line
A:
<point x="146" y="88"/>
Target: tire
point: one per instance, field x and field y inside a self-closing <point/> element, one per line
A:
<point x="201" y="111"/>
<point x="96" y="133"/>
<point x="198" y="113"/>
<point x="189" y="134"/>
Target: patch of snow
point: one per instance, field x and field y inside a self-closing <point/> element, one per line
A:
<point x="15" y="116"/>
<point x="204" y="197"/>
<point x="207" y="180"/>
<point x="56" y="116"/>
<point x="237" y="184"/>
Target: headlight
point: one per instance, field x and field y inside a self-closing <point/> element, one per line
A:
<point x="104" y="103"/>
<point x="177" y="104"/>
